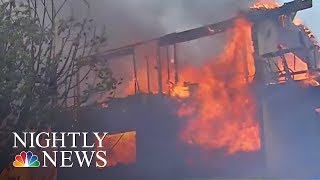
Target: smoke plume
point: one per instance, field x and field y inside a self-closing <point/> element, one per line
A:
<point x="129" y="21"/>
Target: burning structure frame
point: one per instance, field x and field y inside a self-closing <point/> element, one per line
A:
<point x="308" y="51"/>
<point x="266" y="58"/>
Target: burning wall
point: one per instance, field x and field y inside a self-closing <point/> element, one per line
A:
<point x="285" y="32"/>
<point x="220" y="113"/>
<point x="215" y="113"/>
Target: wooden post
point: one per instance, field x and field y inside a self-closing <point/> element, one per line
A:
<point x="148" y="74"/>
<point x="259" y="81"/>
<point x="315" y="58"/>
<point x="286" y="68"/>
<point x="175" y="54"/>
<point x="159" y="68"/>
<point x="168" y="69"/>
<point x="136" y="84"/>
<point x="294" y="62"/>
<point x="246" y="64"/>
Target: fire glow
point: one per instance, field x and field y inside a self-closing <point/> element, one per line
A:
<point x="265" y="4"/>
<point x="222" y="111"/>
<point x="120" y="148"/>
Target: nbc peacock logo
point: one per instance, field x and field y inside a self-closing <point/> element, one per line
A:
<point x="27" y="160"/>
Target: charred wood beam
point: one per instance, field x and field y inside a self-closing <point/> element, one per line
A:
<point x="148" y="74"/>
<point x="213" y="29"/>
<point x="176" y="66"/>
<point x="159" y="70"/>
<point x="196" y="33"/>
<point x="298" y="52"/>
<point x="253" y="15"/>
<point x="135" y="74"/>
<point x="95" y="58"/>
<point x="281" y="52"/>
<point x="297" y="72"/>
<point x="122" y="52"/>
<point x="287" y="9"/>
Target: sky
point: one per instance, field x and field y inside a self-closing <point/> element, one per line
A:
<point x="311" y="17"/>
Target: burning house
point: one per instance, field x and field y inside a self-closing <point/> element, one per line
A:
<point x="248" y="112"/>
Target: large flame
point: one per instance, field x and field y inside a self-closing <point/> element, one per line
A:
<point x="265" y="4"/>
<point x="219" y="110"/>
<point x="222" y="111"/>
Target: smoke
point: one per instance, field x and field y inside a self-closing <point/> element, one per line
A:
<point x="130" y="21"/>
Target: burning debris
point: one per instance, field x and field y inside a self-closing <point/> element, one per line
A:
<point x="220" y="110"/>
<point x="217" y="102"/>
<point x="223" y="110"/>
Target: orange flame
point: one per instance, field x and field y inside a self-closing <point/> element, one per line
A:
<point x="181" y="91"/>
<point x="222" y="112"/>
<point x="265" y="4"/>
<point x="120" y="148"/>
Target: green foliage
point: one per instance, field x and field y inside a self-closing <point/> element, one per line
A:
<point x="43" y="61"/>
